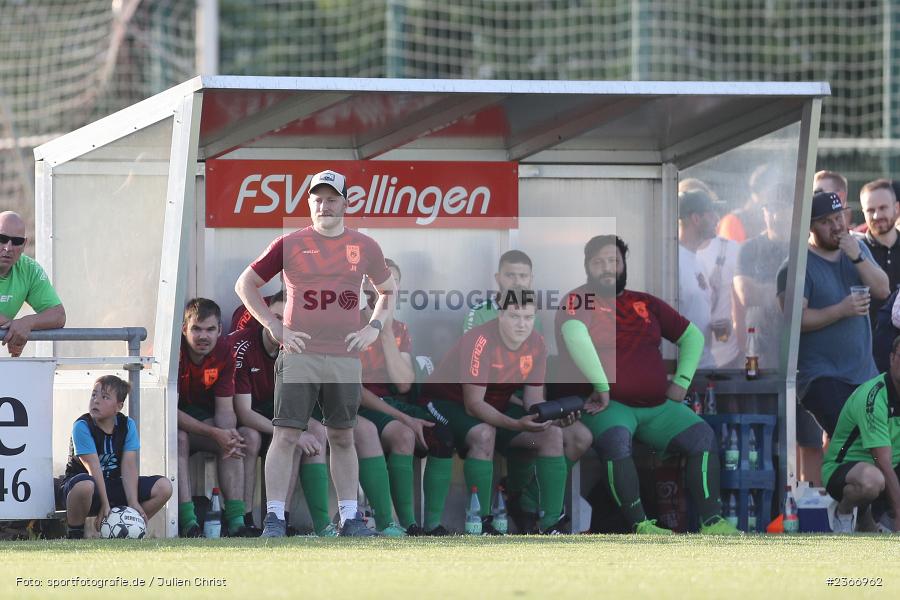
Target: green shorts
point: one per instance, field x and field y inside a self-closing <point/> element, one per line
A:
<point x="199" y="412"/>
<point x="654" y="426"/>
<point x="301" y="378"/>
<point x="460" y="422"/>
<point x="381" y="419"/>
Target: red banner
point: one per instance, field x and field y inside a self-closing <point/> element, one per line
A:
<point x="264" y="193"/>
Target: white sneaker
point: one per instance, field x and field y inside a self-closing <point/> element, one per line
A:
<point x="844" y="523"/>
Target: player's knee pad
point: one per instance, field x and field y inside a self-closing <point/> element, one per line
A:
<point x="613" y="444"/>
<point x="440" y="441"/>
<point x="696" y="439"/>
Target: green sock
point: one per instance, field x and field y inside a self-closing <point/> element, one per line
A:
<point x="520" y="480"/>
<point x="551" y="476"/>
<point x="373" y="477"/>
<point x="569" y="464"/>
<point x="701" y="474"/>
<point x="436" y="482"/>
<point x="314" y="481"/>
<point x="400" y="470"/>
<point x="234" y="514"/>
<point x="480" y="473"/>
<point x="622" y="479"/>
<point x="187" y="516"/>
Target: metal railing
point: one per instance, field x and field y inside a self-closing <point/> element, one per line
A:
<point x="133" y="362"/>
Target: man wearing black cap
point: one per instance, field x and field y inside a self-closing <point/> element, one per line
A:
<point x="320" y="340"/>
<point x="835" y="352"/>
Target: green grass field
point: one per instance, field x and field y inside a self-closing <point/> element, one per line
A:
<point x="517" y="567"/>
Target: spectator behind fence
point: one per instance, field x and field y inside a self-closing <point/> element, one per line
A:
<point x="835" y="353"/>
<point x="22" y="281"/>
<point x="880" y="208"/>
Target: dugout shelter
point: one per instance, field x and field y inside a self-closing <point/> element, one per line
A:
<point x="172" y="197"/>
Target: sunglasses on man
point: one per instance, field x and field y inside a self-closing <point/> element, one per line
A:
<point x="16" y="241"/>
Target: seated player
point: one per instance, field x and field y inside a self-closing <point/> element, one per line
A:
<point x="471" y="390"/>
<point x="206" y="418"/>
<point x="861" y="464"/>
<point x="605" y="326"/>
<point x="403" y="428"/>
<point x="102" y="471"/>
<point x="255" y="352"/>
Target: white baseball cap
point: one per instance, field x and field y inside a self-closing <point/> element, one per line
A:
<point x="332" y="179"/>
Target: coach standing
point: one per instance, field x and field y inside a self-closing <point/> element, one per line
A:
<point x="323" y="267"/>
<point x="23" y="280"/>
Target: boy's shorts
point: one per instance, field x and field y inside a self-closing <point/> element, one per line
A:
<point x="115" y="491"/>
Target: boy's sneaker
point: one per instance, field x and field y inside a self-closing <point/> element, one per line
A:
<point x="439" y="531"/>
<point x="330" y="530"/>
<point x="356" y="528"/>
<point x="273" y="526"/>
<point x="191" y="531"/>
<point x="75" y="534"/>
<point x="719" y="526"/>
<point x="487" y="526"/>
<point x="393" y="530"/>
<point x="648" y="526"/>
<point x="415" y="531"/>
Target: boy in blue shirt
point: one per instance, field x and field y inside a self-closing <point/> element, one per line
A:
<point x="102" y="470"/>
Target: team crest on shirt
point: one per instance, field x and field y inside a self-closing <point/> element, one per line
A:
<point x="641" y="309"/>
<point x="701" y="281"/>
<point x="353" y="256"/>
<point x="526" y="363"/>
<point x="210" y="376"/>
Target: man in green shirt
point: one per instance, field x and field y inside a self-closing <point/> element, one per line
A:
<point x="861" y="464"/>
<point x="514" y="272"/>
<point x="23" y="280"/>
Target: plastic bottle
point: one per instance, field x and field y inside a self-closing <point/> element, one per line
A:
<point x="212" y="526"/>
<point x="732" y="451"/>
<point x="709" y="403"/>
<point x="500" y="521"/>
<point x="751" y="512"/>
<point x="731" y="514"/>
<point x="473" y="514"/>
<point x="753" y="453"/>
<point x="791" y="519"/>
<point x="751" y="367"/>
<point x="698" y="404"/>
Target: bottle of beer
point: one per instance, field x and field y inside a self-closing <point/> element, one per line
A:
<point x="751" y="367"/>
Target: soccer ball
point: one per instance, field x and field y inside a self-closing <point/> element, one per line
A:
<point x="123" y="522"/>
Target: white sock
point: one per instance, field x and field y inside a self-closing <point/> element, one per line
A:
<point x="274" y="506"/>
<point x="348" y="509"/>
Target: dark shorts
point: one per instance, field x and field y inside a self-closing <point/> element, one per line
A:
<point x="460" y="422"/>
<point x="824" y="398"/>
<point x="835" y="485"/>
<point x="199" y="412"/>
<point x="809" y="434"/>
<point x="381" y="419"/>
<point x="299" y="380"/>
<point x="115" y="491"/>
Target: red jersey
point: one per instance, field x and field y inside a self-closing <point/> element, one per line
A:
<point x="627" y="332"/>
<point x="375" y="375"/>
<point x="242" y="319"/>
<point x="214" y="377"/>
<point x="254" y="368"/>
<point x="322" y="277"/>
<point x="481" y="358"/>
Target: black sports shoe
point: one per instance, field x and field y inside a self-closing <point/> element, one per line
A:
<point x="243" y="531"/>
<point x="526" y="522"/>
<point x="415" y="531"/>
<point x="192" y="531"/>
<point x="561" y="527"/>
<point x="487" y="526"/>
<point x="291" y="531"/>
<point x="439" y="531"/>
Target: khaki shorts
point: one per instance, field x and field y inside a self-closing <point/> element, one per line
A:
<point x="299" y="380"/>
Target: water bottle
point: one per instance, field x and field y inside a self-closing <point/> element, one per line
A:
<point x="731" y="514"/>
<point x="500" y="521"/>
<point x="791" y="518"/>
<point x="732" y="451"/>
<point x="751" y="366"/>
<point x="753" y="454"/>
<point x="212" y="526"/>
<point x="751" y="512"/>
<point x="698" y="404"/>
<point x="709" y="403"/>
<point x="473" y="514"/>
